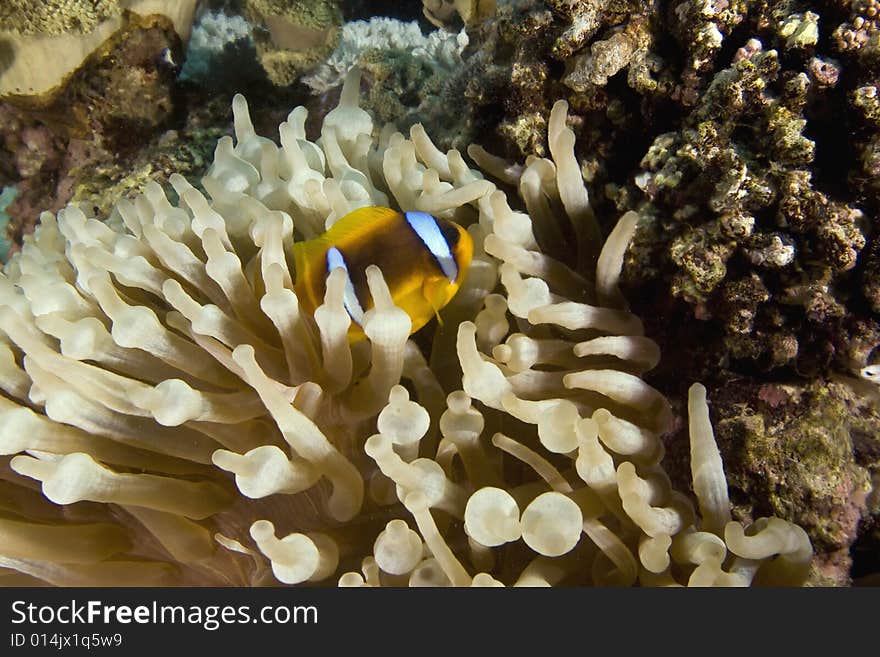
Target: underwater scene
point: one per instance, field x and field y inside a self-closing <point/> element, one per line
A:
<point x="439" y="293"/>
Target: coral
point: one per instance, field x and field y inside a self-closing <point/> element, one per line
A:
<point x="871" y="278"/>
<point x="104" y="113"/>
<point x="411" y="77"/>
<point x="127" y="86"/>
<point x="218" y="43"/>
<point x="56" y="17"/>
<point x="741" y="228"/>
<point x="99" y="182"/>
<point x="606" y="57"/>
<point x="507" y="79"/>
<point x="861" y="33"/>
<point x="799" y="450"/>
<point x="187" y="424"/>
<point x="585" y="19"/>
<point x="406" y="74"/>
<point x="34" y="155"/>
<point x="442" y="13"/>
<point x="800" y="30"/>
<point x="863" y="421"/>
<point x="531" y="54"/>
<point x="464" y="84"/>
<point x="490" y="78"/>
<point x="293" y="37"/>
<point x="701" y="26"/>
<point x="7" y="195"/>
<point x="48" y="42"/>
<point x="386" y="38"/>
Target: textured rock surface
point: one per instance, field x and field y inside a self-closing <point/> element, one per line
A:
<point x="105" y="113"/>
<point x="808" y="452"/>
<point x="292" y="37"/>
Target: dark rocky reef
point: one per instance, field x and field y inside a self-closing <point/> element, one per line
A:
<point x="121" y="96"/>
<point x="746" y="135"/>
<point x="805" y="451"/>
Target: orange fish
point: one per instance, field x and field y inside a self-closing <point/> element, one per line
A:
<point x="423" y="259"/>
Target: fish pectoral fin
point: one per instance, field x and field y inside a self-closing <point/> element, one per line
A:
<point x="434" y="291"/>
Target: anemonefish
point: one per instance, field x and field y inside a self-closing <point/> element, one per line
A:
<point x="423" y="259"/>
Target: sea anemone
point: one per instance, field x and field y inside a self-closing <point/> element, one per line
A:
<point x="170" y="416"/>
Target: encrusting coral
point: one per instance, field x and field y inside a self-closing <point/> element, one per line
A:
<point x="802" y="451"/>
<point x="743" y="232"/>
<point x="170" y="417"/>
<point x="293" y="37"/>
<point x="43" y="43"/>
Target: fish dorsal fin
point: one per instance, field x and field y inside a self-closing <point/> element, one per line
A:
<point x="359" y="223"/>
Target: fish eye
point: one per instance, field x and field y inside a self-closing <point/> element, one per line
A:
<point x="450" y="232"/>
